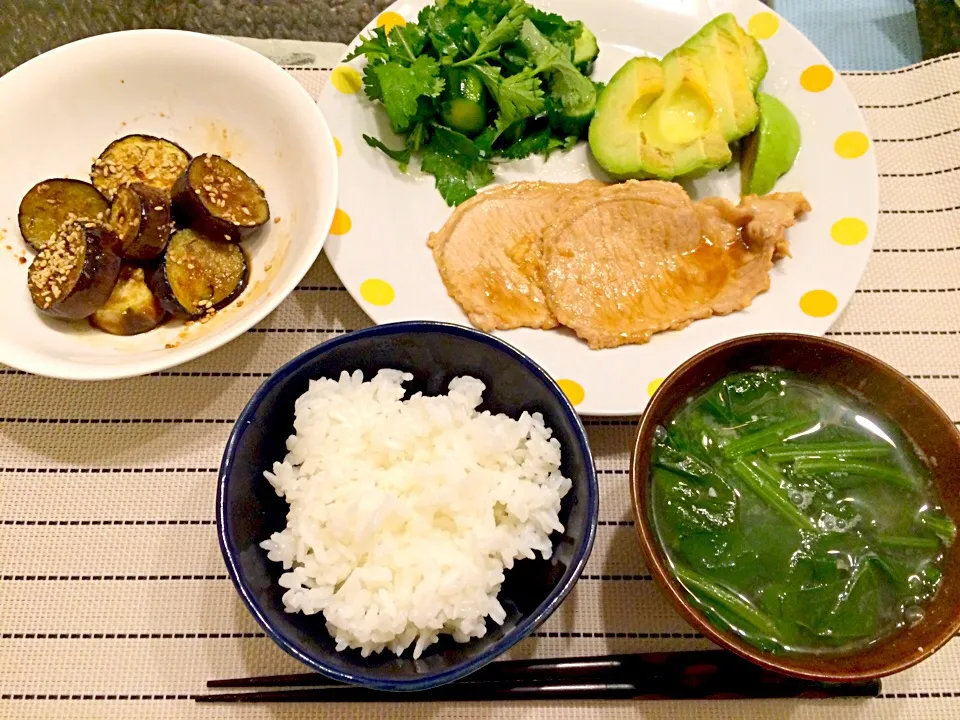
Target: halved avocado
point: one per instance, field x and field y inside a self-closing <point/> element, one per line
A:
<point x="657" y="119"/>
<point x="719" y="50"/>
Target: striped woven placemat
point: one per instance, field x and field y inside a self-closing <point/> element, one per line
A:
<point x="115" y="602"/>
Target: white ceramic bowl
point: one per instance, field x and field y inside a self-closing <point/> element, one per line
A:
<point x="206" y="94"/>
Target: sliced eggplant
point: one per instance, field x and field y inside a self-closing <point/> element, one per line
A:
<point x="131" y="308"/>
<point x="140" y="215"/>
<point x="49" y="204"/>
<point x="143" y="159"/>
<point x="219" y="199"/>
<point x="75" y="272"/>
<point x="198" y="275"/>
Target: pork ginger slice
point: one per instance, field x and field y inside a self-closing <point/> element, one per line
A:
<point x="489" y="252"/>
<point x="643" y="258"/>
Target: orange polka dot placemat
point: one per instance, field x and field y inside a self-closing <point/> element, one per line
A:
<point x="114" y="601"/>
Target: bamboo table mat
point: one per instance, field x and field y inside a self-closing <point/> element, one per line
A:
<point x="114" y="601"/>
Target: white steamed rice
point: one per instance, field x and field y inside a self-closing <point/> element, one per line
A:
<point x="404" y="514"/>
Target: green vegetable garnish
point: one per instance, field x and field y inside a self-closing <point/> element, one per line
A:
<point x="767" y="488"/>
<point x="505" y="30"/>
<point x="457" y="163"/>
<point x="815" y="451"/>
<point x="401" y="156"/>
<point x="730" y="601"/>
<point x="542" y="142"/>
<point x="781" y="506"/>
<point x="575" y="95"/>
<point x="916" y="543"/>
<point x="875" y="471"/>
<point x="770" y="435"/>
<point x="942" y="526"/>
<point x="430" y="76"/>
<point x="402" y="86"/>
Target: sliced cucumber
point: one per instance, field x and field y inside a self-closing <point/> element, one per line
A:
<point x="512" y="134"/>
<point x="585" y="50"/>
<point x="573" y="120"/>
<point x="464" y="105"/>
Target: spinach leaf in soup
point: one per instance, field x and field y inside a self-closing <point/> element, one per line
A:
<point x="794" y="516"/>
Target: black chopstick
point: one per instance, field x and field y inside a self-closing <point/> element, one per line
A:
<point x="679" y="675"/>
<point x="451" y="693"/>
<point x="505" y="670"/>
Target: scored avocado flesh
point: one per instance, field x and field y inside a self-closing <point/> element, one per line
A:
<point x="656" y="119"/>
<point x="731" y="88"/>
<point x="676" y="117"/>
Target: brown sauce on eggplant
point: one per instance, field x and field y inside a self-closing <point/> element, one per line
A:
<point x="56" y="269"/>
<point x="80" y="275"/>
<point x="138" y="159"/>
<point x="228" y="192"/>
<point x="204" y="273"/>
<point x="51" y="203"/>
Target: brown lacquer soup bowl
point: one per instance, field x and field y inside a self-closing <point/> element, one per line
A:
<point x="879" y="389"/>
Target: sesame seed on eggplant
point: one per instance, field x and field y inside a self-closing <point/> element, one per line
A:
<point x="140" y="215"/>
<point x="143" y="159"/>
<point x="51" y="203"/>
<point x="131" y="308"/>
<point x="197" y="275"/>
<point x="219" y="199"/>
<point x="74" y="273"/>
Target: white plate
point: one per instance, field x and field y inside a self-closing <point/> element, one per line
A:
<point x="63" y="108"/>
<point x="391" y="213"/>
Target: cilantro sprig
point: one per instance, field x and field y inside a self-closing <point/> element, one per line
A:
<point x="516" y="63"/>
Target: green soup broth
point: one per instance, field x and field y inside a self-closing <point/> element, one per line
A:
<point x="795" y="517"/>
